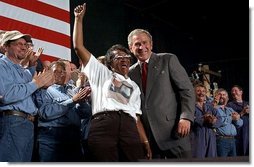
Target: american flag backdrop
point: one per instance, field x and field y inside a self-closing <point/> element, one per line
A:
<point x="47" y="21"/>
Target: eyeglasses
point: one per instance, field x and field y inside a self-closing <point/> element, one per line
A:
<point x="29" y="44"/>
<point x="19" y="44"/>
<point x="121" y="57"/>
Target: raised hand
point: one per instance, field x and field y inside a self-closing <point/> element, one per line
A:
<point x="80" y="10"/>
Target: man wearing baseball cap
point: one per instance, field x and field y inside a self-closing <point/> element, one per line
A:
<point x="17" y="109"/>
<point x="14" y="35"/>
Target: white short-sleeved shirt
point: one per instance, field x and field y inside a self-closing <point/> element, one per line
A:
<point x="111" y="91"/>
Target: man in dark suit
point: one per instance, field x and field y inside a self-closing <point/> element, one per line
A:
<point x="167" y="97"/>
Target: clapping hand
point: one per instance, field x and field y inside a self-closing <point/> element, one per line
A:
<point x="33" y="59"/>
<point x="245" y="110"/>
<point x="44" y="79"/>
<point x="82" y="95"/>
<point x="25" y="62"/>
<point x="235" y="116"/>
<point x="209" y="119"/>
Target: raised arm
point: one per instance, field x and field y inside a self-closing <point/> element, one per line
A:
<point x="78" y="42"/>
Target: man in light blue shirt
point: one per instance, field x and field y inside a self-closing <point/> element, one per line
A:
<point x="17" y="109"/>
<point x="230" y="122"/>
<point x="61" y="109"/>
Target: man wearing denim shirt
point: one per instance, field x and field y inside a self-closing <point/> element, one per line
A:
<point x="17" y="109"/>
<point x="230" y="122"/>
<point x="60" y="113"/>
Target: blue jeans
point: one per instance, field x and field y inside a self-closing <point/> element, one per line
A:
<point x="59" y="144"/>
<point x="226" y="147"/>
<point x="16" y="139"/>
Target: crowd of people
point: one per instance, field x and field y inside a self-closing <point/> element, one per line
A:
<point x="110" y="110"/>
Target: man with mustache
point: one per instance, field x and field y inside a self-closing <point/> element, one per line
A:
<point x="203" y="136"/>
<point x="230" y="122"/>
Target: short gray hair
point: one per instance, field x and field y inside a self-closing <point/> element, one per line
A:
<point x="223" y="90"/>
<point x="138" y="31"/>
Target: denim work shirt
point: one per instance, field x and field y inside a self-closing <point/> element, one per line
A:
<point x="57" y="109"/>
<point x="16" y="87"/>
<point x="229" y="126"/>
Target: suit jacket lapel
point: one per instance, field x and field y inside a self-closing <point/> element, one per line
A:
<point x="137" y="75"/>
<point x="153" y="72"/>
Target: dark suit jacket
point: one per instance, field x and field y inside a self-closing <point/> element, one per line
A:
<point x="169" y="97"/>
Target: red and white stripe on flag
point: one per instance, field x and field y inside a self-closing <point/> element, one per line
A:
<point x="47" y="21"/>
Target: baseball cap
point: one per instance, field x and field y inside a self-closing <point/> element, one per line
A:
<point x="2" y="32"/>
<point x="14" y="35"/>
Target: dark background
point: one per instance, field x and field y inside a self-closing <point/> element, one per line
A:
<point x="215" y="33"/>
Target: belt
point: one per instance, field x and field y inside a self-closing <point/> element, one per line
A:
<point x="108" y="113"/>
<point x="19" y="114"/>
<point x="226" y="137"/>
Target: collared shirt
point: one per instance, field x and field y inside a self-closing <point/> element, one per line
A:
<point x="208" y="109"/>
<point x="16" y="87"/>
<point x="229" y="127"/>
<point x="140" y="63"/>
<point x="238" y="106"/>
<point x="57" y="109"/>
<point x="2" y="55"/>
<point x="111" y="91"/>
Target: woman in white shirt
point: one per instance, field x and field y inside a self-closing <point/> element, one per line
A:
<point x="116" y="132"/>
